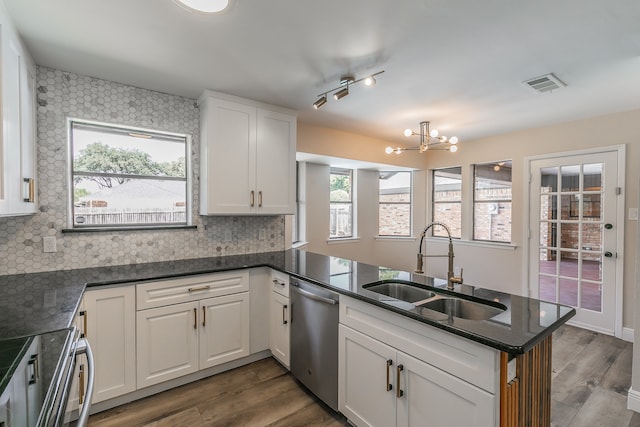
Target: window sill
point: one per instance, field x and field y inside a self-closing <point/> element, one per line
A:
<point x="475" y="243"/>
<point x="298" y="245"/>
<point x="132" y="228"/>
<point x="396" y="238"/>
<point x="343" y="240"/>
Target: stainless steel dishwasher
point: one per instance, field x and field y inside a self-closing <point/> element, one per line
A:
<point x="314" y="339"/>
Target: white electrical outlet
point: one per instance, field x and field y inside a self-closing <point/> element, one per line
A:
<point x="633" y="214"/>
<point x="49" y="244"/>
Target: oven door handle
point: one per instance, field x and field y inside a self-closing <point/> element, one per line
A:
<point x="83" y="347"/>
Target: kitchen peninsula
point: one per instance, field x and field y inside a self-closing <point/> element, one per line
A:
<point x="516" y="342"/>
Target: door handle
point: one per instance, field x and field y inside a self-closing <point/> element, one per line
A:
<point x="608" y="226"/>
<point x="253" y="196"/>
<point x="284" y="314"/>
<point x="313" y="296"/>
<point x="204" y="316"/>
<point x="260" y="198"/>
<point x="389" y="364"/>
<point x="195" y="318"/>
<point x="608" y="254"/>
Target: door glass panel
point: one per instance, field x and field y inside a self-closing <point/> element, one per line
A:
<point x="548" y="206"/>
<point x="591" y="296"/>
<point x="569" y="207"/>
<point x="591" y="237"/>
<point x="568" y="292"/>
<point x="592" y="267"/>
<point x="570" y="178"/>
<point x="591" y="207"/>
<point x="570" y="235"/>
<point x="569" y="264"/>
<point x="549" y="180"/>
<point x="547" y="286"/>
<point x="592" y="180"/>
<point x="548" y="233"/>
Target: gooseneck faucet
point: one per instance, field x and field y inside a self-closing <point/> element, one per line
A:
<point x="451" y="279"/>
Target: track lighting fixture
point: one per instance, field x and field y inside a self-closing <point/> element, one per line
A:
<point x="428" y="139"/>
<point x="343" y="90"/>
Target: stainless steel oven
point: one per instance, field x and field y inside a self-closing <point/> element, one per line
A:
<point x="36" y="378"/>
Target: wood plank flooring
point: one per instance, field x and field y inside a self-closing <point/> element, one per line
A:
<point x="591" y="377"/>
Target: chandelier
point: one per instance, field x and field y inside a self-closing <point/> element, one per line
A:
<point x="429" y="140"/>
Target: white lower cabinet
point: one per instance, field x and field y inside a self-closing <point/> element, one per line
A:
<point x="279" y="325"/>
<point x="381" y="386"/>
<point x="179" y="339"/>
<point x="107" y="319"/>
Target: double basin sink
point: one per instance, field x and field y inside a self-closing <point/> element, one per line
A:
<point x="428" y="301"/>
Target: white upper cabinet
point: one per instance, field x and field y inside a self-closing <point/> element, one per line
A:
<point x="18" y="137"/>
<point x="247" y="157"/>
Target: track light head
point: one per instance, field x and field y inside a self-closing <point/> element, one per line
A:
<point x="320" y="102"/>
<point x="370" y="81"/>
<point x="341" y="93"/>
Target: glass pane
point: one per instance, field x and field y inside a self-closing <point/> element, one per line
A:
<point x="115" y="151"/>
<point x="340" y="220"/>
<point x="549" y="180"/>
<point x="591" y="207"/>
<point x="548" y="207"/>
<point x="591" y="296"/>
<point x="569" y="207"/>
<point x="548" y="234"/>
<point x="570" y="178"/>
<point x="591" y="237"/>
<point x="547" y="263"/>
<point x="593" y="176"/>
<point x="447" y="184"/>
<point x="568" y="290"/>
<point x="569" y="264"/>
<point x="340" y="187"/>
<point x="492" y="221"/>
<point x="547" y="288"/>
<point x="394" y="219"/>
<point x="570" y="238"/>
<point x="134" y="201"/>
<point x="450" y="214"/>
<point x="592" y="267"/>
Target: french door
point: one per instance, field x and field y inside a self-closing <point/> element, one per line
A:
<point x="574" y="237"/>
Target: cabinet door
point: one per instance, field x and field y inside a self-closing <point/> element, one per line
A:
<point x="276" y="163"/>
<point x="280" y="316"/>
<point x="224" y="329"/>
<point x="167" y="343"/>
<point x="111" y="331"/>
<point x="366" y="391"/>
<point x="431" y="397"/>
<point x="228" y="158"/>
<point x="27" y="178"/>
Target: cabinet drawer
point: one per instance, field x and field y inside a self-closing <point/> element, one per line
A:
<point x="190" y="288"/>
<point x="465" y="359"/>
<point x="280" y="283"/>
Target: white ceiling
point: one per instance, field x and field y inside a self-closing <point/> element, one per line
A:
<point x="459" y="64"/>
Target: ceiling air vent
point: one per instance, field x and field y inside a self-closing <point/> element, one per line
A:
<point x="546" y="83"/>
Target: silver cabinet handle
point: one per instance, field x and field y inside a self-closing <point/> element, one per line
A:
<point x="195" y="318"/>
<point x="204" y="316"/>
<point x="260" y="198"/>
<point x="201" y="288"/>
<point x="284" y="314"/>
<point x="315" y="297"/>
<point x="252" y="198"/>
<point x="277" y="282"/>
<point x="399" y="392"/>
<point x="389" y="364"/>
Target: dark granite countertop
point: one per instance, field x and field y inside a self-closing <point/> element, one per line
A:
<point x="41" y="302"/>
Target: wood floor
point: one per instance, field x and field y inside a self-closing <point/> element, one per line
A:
<point x="591" y="377"/>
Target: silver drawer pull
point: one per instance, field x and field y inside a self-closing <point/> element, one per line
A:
<point x="202" y="288"/>
<point x="277" y="282"/>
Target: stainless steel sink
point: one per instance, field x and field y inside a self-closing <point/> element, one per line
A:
<point x="401" y="291"/>
<point x="461" y="308"/>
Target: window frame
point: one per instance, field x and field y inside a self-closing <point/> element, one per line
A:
<point x="351" y="202"/>
<point x="410" y="203"/>
<point x="120" y="128"/>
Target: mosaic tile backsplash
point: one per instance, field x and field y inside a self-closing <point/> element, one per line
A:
<point x="62" y="95"/>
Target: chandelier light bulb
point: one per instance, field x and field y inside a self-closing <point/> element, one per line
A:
<point x="453" y="140"/>
<point x="388" y="150"/>
<point x="453" y="148"/>
<point x="408" y="132"/>
<point x="434" y="133"/>
<point x="370" y="81"/>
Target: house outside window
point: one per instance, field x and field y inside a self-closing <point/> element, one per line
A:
<point x="447" y="201"/>
<point x="492" y="202"/>
<point x="341" y="203"/>
<point x="394" y="204"/>
<point x="127" y="177"/>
